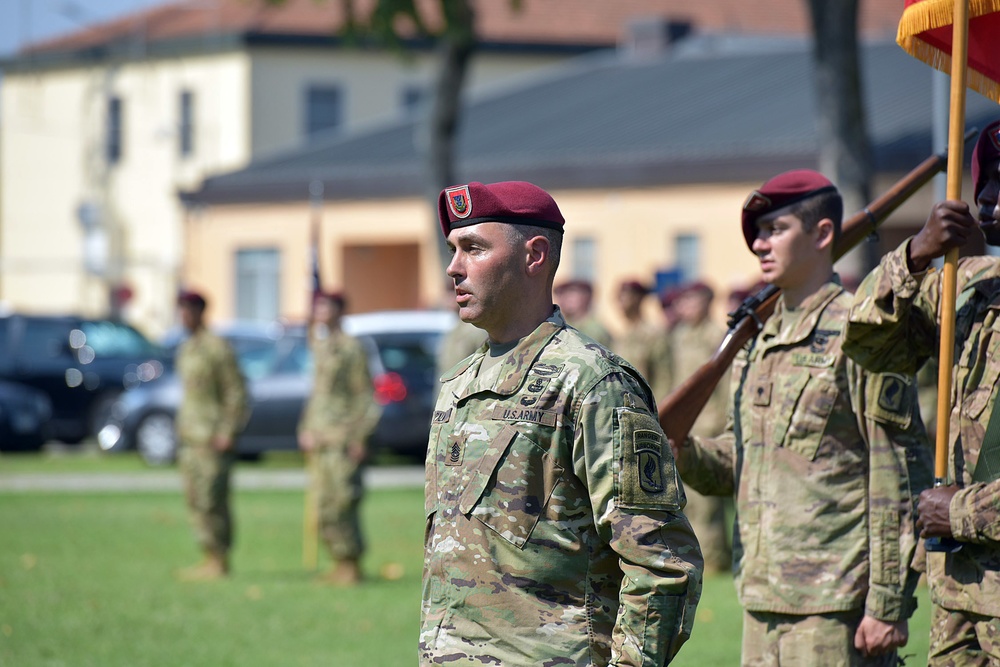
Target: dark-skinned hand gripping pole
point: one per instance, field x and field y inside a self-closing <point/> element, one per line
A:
<point x="679" y="410"/>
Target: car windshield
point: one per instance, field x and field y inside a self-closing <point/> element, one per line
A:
<point x="408" y="353"/>
<point x="256" y="356"/>
<point x="114" y="339"/>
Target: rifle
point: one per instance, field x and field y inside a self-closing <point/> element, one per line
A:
<point x="679" y="410"/>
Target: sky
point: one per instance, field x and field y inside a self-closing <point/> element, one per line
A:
<point x="25" y="21"/>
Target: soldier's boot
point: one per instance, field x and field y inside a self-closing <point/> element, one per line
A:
<point x="214" y="566"/>
<point x="346" y="572"/>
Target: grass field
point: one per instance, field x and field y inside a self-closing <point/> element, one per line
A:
<point x="86" y="579"/>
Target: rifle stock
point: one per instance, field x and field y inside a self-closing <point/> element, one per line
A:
<point x="680" y="409"/>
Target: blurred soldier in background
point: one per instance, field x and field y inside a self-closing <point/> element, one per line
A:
<point x="457" y="344"/>
<point x="825" y="459"/>
<point x="338" y="418"/>
<point x="574" y="298"/>
<point x="643" y="344"/>
<point x="212" y="412"/>
<point x="694" y="339"/>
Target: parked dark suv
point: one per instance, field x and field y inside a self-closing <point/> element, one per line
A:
<point x="81" y="364"/>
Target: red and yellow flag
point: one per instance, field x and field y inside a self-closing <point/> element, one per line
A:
<point x="925" y="32"/>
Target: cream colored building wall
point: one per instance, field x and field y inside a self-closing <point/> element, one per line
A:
<point x="633" y="230"/>
<point x="372" y="84"/>
<point x="53" y="160"/>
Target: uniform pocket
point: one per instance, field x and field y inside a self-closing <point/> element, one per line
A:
<point x="649" y="477"/>
<point x="815" y="402"/>
<point x="512" y="486"/>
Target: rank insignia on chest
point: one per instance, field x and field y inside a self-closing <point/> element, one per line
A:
<point x="762" y="393"/>
<point x="455" y="453"/>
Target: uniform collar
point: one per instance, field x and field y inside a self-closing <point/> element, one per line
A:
<point x="791" y="327"/>
<point x="506" y="377"/>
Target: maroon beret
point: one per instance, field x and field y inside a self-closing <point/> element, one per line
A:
<point x="513" y="202"/>
<point x="191" y="298"/>
<point x="698" y="287"/>
<point x="333" y="297"/>
<point x="781" y="191"/>
<point x="576" y="283"/>
<point x="986" y="151"/>
<point x="634" y="285"/>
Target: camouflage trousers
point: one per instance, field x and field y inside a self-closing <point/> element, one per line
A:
<point x="788" y="640"/>
<point x="335" y="483"/>
<point x="206" y="487"/>
<point x="963" y="639"/>
<point x="707" y="515"/>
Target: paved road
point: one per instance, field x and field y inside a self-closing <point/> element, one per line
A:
<point x="169" y="480"/>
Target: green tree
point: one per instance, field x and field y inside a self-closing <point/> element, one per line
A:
<point x="845" y="152"/>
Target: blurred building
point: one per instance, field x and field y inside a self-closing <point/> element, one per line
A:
<point x="650" y="159"/>
<point x="103" y="127"/>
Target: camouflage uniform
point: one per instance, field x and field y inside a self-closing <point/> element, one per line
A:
<point x="341" y="411"/>
<point x="647" y="347"/>
<point x="894" y="327"/>
<point x="548" y="481"/>
<point x="591" y="326"/>
<point x="214" y="403"/>
<point x="826" y="462"/>
<point x="692" y="345"/>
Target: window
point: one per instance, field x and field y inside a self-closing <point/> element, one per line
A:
<point x="324" y="109"/>
<point x="412" y="99"/>
<point x="113" y="136"/>
<point x="186" y="125"/>
<point x="585" y="258"/>
<point x="687" y="253"/>
<point x="257" y="284"/>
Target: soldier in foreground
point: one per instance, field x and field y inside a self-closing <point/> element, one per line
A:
<point x="894" y="327"/>
<point x="823" y="457"/>
<point x="338" y="418"/>
<point x="554" y="526"/>
<point x="212" y="412"/>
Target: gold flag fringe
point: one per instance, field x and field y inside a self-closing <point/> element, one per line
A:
<point x="929" y="14"/>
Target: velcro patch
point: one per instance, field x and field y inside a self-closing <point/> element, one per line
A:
<point x="515" y="414"/>
<point x="893" y="401"/>
<point x="441" y="416"/>
<point x="648" y="477"/>
<point x="813" y="360"/>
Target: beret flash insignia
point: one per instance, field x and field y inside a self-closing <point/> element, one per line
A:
<point x="459" y="201"/>
<point x="756" y="202"/>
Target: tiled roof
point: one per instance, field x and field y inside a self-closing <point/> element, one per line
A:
<point x="710" y="112"/>
<point x="553" y="22"/>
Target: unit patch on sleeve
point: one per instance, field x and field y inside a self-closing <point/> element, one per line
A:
<point x="648" y="477"/>
<point x="892" y="401"/>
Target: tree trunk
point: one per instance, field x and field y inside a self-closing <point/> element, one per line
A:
<point x="455" y="50"/>
<point x="845" y="152"/>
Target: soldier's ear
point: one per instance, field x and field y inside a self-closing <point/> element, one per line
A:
<point x="824" y="234"/>
<point x="536" y="255"/>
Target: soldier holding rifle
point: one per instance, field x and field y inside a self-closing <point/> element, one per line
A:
<point x="894" y="327"/>
<point x="823" y="457"/>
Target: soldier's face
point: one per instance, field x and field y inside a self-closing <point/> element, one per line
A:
<point x="487" y="270"/>
<point x="988" y="202"/>
<point x="788" y="254"/>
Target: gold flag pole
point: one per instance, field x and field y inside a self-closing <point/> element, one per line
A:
<point x="956" y="149"/>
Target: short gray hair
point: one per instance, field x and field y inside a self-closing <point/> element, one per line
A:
<point x="521" y="233"/>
